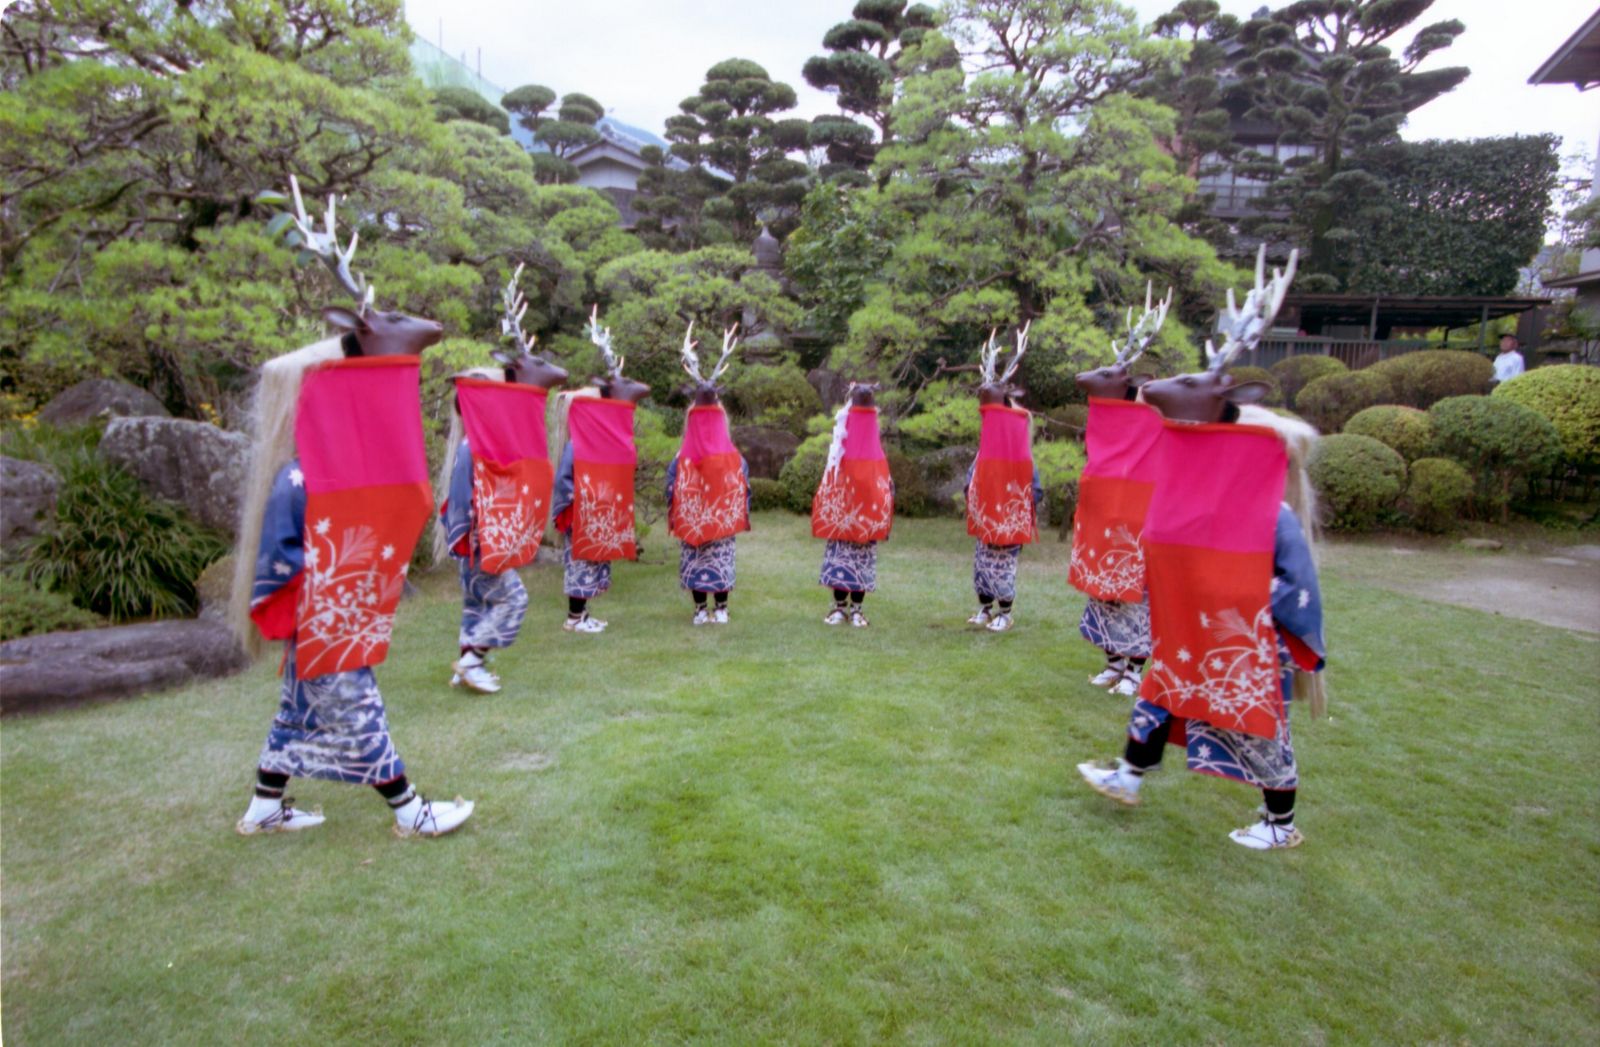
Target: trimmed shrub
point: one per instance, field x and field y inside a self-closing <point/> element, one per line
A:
<point x="1332" y="400"/>
<point x="772" y="394"/>
<point x="1405" y="429"/>
<point x="1296" y="372"/>
<point x="1059" y="462"/>
<point x="1357" y="479"/>
<point x="801" y="474"/>
<point x="1498" y="440"/>
<point x="946" y="414"/>
<point x="1423" y="378"/>
<point x="1248" y="373"/>
<point x="1437" y="494"/>
<point x="116" y="551"/>
<point x="1568" y="395"/>
<point x="910" y="484"/>
<point x="767" y="494"/>
<point x="26" y="609"/>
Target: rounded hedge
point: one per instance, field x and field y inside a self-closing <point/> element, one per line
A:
<point x="1296" y="372"/>
<point x="801" y="474"/>
<point x="1568" y="396"/>
<point x="1423" y="378"/>
<point x="910" y="484"/>
<point x="1332" y="400"/>
<point x="1357" y="478"/>
<point x="1405" y="429"/>
<point x="767" y="494"/>
<point x="773" y="394"/>
<point x="1498" y="440"/>
<point x="1438" y="493"/>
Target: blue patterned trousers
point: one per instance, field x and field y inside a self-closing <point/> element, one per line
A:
<point x="332" y="727"/>
<point x="492" y="607"/>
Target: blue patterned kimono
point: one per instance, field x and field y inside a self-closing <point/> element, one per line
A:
<point x="994" y="567"/>
<point x="1117" y="628"/>
<point x="710" y="566"/>
<point x="332" y="726"/>
<point x="492" y="605"/>
<point x="850" y="566"/>
<point x="584" y="579"/>
<point x="1267" y="763"/>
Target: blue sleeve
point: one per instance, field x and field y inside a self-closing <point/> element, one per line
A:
<point x="1038" y="488"/>
<point x="562" y="500"/>
<point x="457" y="511"/>
<point x="1296" y="596"/>
<point x="280" y="557"/>
<point x="672" y="480"/>
<point x="749" y="495"/>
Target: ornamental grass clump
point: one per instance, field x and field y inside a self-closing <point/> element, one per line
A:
<point x="1357" y="479"/>
<point x="1334" y="399"/>
<point x="114" y="550"/>
<point x="1568" y="396"/>
<point x="1501" y="442"/>
<point x="1423" y="378"/>
<point x="1438" y="493"/>
<point x="1405" y="429"/>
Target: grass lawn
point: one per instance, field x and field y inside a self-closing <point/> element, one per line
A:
<point x="781" y="832"/>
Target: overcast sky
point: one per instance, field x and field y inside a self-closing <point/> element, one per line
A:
<point x="641" y="57"/>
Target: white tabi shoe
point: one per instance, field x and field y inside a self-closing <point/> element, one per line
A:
<point x="471" y="673"/>
<point x="586" y="624"/>
<point x="279" y="817"/>
<point x="1107" y="677"/>
<point x="1265" y="836"/>
<point x="1111" y="781"/>
<point x="1128" y="686"/>
<point x="424" y="817"/>
<point x="701" y="617"/>
<point x="999" y="623"/>
<point x="836" y="617"/>
<point x="719" y="616"/>
<point x="858" y="620"/>
<point x="980" y="618"/>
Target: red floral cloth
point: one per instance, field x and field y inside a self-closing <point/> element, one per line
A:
<point x="855" y="502"/>
<point x="511" y="472"/>
<point x="710" y="499"/>
<point x="603" y="463"/>
<point x="1113" y="496"/>
<point x="1000" y="508"/>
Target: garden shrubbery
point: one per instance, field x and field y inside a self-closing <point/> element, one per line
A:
<point x="1498" y="440"/>
<point x="1296" y="372"/>
<point x="26" y="609"/>
<point x="1357" y="478"/>
<point x="1568" y="395"/>
<point x="1421" y="379"/>
<point x="1249" y="373"/>
<point x="767" y="494"/>
<point x="801" y="474"/>
<point x="1405" y="429"/>
<point x="773" y="394"/>
<point x="1438" y="493"/>
<point x="1332" y="400"/>
<point x="1060" y="462"/>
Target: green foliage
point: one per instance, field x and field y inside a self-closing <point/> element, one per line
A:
<point x="1421" y="379"/>
<point x="1294" y="373"/>
<point x="1569" y="396"/>
<point x="947" y="414"/>
<point x="26" y="609"/>
<point x="772" y="394"/>
<point x="801" y="474"/>
<point x="840" y="247"/>
<point x="1060" y="463"/>
<point x="1357" y="480"/>
<point x="1249" y="373"/>
<point x="767" y="494"/>
<point x="463" y="103"/>
<point x="1499" y="440"/>
<point x="1454" y="218"/>
<point x="1406" y="429"/>
<point x="116" y="551"/>
<point x="1330" y="401"/>
<point x="1438" y="494"/>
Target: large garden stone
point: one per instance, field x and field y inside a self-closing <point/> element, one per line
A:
<point x="92" y="397"/>
<point x="766" y="449"/>
<point x="53" y="669"/>
<point x="27" y="498"/>
<point x="195" y="464"/>
<point x="831" y="386"/>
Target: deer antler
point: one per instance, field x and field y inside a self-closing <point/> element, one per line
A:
<point x="1016" y="360"/>
<point x="1142" y="333"/>
<point x="691" y="360"/>
<point x="987" y="356"/>
<point x="325" y="245"/>
<point x="1243" y="327"/>
<point x="515" y="306"/>
<point x="601" y="337"/>
<point x="730" y="342"/>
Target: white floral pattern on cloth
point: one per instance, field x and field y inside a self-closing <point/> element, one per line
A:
<point x="1012" y="516"/>
<point x="694" y="512"/>
<point x="851" y="566"/>
<point x="492" y="607"/>
<point x="605" y="516"/>
<point x="1111" y="563"/>
<point x="708" y="568"/>
<point x="332" y="727"/>
<point x="1117" y="628"/>
<point x="1236" y="678"/>
<point x="348" y="600"/>
<point x="834" y="511"/>
<point x="994" y="570"/>
<point x="584" y="579"/>
<point x="508" y="521"/>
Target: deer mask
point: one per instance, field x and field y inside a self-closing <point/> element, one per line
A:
<point x="615" y="386"/>
<point x="705" y="391"/>
<point x="1211" y="395"/>
<point x="524" y="366"/>
<point x="999" y="390"/>
<point x="366" y="331"/>
<point x="1114" y="382"/>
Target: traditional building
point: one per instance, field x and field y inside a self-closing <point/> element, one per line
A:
<point x="1577" y="62"/>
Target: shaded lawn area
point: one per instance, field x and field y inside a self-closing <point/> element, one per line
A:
<point x="777" y="831"/>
